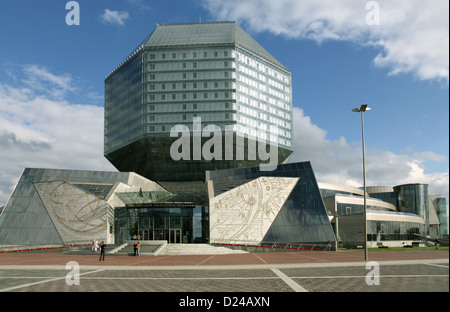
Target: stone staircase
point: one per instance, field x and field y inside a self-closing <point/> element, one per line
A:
<point x="145" y="250"/>
<point x="153" y="248"/>
<point x="197" y="249"/>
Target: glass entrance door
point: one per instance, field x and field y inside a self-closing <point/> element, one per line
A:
<point x="172" y="236"/>
<point x="175" y="236"/>
<point x="146" y="234"/>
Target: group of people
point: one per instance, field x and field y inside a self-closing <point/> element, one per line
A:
<point x="102" y="247"/>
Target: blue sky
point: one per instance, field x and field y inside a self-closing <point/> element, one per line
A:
<point x="52" y="80"/>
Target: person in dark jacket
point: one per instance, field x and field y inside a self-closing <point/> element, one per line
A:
<point x="102" y="251"/>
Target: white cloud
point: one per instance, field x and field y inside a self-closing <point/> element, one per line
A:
<point x="39" y="130"/>
<point x="41" y="79"/>
<point x="339" y="162"/>
<point x="413" y="35"/>
<point x="115" y="17"/>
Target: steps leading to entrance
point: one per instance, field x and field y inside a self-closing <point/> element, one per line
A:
<point x="197" y="249"/>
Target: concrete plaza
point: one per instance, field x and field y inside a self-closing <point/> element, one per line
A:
<point x="270" y="272"/>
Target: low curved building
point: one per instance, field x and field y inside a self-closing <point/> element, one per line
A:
<point x="396" y="216"/>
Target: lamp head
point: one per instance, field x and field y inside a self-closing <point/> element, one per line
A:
<point x="363" y="108"/>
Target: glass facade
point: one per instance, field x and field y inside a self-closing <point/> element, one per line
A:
<point x="123" y="105"/>
<point x="178" y="214"/>
<point x="186" y="224"/>
<point x="413" y="198"/>
<point x="440" y="205"/>
<point x="394" y="219"/>
<point x="264" y="98"/>
<point x="379" y="231"/>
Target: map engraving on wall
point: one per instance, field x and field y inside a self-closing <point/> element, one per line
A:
<point x="244" y="214"/>
<point x="77" y="215"/>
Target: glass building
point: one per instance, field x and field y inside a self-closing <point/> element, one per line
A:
<point x="396" y="215"/>
<point x="192" y="115"/>
<point x="210" y="83"/>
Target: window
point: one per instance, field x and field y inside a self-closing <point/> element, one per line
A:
<point x="205" y="54"/>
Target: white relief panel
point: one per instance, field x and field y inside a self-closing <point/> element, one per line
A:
<point x="77" y="215"/>
<point x="245" y="213"/>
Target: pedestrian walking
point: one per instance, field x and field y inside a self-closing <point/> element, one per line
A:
<point x="329" y="245"/>
<point x="436" y="244"/>
<point x="138" y="248"/>
<point x="135" y="248"/>
<point x="102" y="251"/>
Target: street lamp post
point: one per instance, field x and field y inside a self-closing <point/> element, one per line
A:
<point x="361" y="110"/>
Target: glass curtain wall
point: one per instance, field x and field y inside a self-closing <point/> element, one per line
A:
<point x="174" y="224"/>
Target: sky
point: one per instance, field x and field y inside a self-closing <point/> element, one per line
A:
<point x="390" y="54"/>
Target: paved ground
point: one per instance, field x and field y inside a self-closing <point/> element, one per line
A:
<point x="254" y="276"/>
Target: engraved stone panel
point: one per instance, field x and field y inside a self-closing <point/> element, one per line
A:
<point x="78" y="216"/>
<point x="244" y="214"/>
